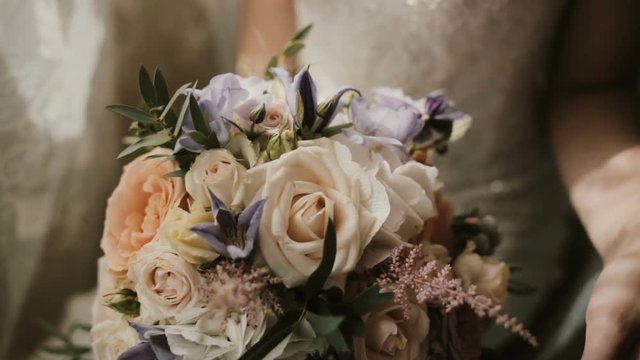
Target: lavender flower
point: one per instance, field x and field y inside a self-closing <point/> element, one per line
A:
<point x="232" y="235"/>
<point x="301" y="91"/>
<point x="217" y="102"/>
<point x="400" y="122"/>
<point x="441" y="121"/>
<point x="153" y="345"/>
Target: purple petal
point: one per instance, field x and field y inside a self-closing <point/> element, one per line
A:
<point x="160" y="347"/>
<point x="213" y="235"/>
<point x="224" y="216"/>
<point x="394" y="98"/>
<point x="186" y="142"/>
<point x="436" y="103"/>
<point x="144" y="331"/>
<point x="142" y="351"/>
<point x="248" y="213"/>
<point x="370" y="119"/>
<point x="304" y="87"/>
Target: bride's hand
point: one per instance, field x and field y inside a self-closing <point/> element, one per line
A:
<point x="608" y="202"/>
<point x="613" y="315"/>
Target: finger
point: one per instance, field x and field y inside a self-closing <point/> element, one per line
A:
<point x="603" y="337"/>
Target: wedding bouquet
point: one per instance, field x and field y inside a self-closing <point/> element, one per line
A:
<point x="258" y="221"/>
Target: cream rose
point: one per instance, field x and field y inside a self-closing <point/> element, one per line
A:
<point x="137" y="207"/>
<point x="304" y="189"/>
<point x="410" y="188"/>
<point x="392" y="336"/>
<point x="165" y="283"/>
<point x="218" y="171"/>
<point x="112" y="337"/>
<point x="175" y="231"/>
<point x="488" y="274"/>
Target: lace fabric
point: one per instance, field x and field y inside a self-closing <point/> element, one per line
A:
<point x="489" y="56"/>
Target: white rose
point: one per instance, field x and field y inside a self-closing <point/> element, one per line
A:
<point x="218" y="171"/>
<point x="175" y="231"/>
<point x="304" y="189"/>
<point x="411" y="190"/>
<point x="111" y="337"/>
<point x="110" y="333"/>
<point x="392" y="336"/>
<point x="165" y="283"/>
<point x="228" y="342"/>
<point x="488" y="274"/>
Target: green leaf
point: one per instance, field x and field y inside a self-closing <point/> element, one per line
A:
<point x="353" y="327"/>
<point x="335" y="130"/>
<point x="176" y="173"/>
<point x="147" y="90"/>
<point x="132" y="113"/>
<point x="199" y="122"/>
<point x="183" y="111"/>
<point x="366" y="301"/>
<point x="273" y="62"/>
<point x="162" y="90"/>
<point x="273" y="336"/>
<point x="302" y="34"/>
<point x="337" y="340"/>
<point x="212" y="141"/>
<point x="293" y="49"/>
<point x="173" y="99"/>
<point x="324" y="324"/>
<point x="319" y="277"/>
<point x="156" y="139"/>
<point x="198" y="137"/>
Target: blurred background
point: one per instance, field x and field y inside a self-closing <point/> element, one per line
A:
<point x="61" y="63"/>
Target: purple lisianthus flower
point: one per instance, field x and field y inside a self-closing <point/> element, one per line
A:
<point x="232" y="235"/>
<point x="401" y="123"/>
<point x="217" y="102"/>
<point x="153" y="345"/>
<point x="442" y="120"/>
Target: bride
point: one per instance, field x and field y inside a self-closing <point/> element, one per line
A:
<point x="497" y="60"/>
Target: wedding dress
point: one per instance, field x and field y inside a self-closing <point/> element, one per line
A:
<point x="490" y="57"/>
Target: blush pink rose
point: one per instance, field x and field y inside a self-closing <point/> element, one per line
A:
<point x="137" y="207"/>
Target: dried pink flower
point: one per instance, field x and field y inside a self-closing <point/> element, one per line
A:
<point x="233" y="287"/>
<point x="413" y="280"/>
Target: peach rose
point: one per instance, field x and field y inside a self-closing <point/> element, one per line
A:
<point x="137" y="207"/>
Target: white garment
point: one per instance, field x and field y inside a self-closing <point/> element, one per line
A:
<point x="489" y="55"/>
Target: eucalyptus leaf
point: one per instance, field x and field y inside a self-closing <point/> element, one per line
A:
<point x="273" y="336"/>
<point x="162" y="90"/>
<point x="366" y="301"/>
<point x="319" y="277"/>
<point x="198" y="137"/>
<point x="183" y="111"/>
<point x="173" y="99"/>
<point x="324" y="324"/>
<point x="293" y="49"/>
<point x="337" y="340"/>
<point x="147" y="90"/>
<point x="132" y="113"/>
<point x="302" y="34"/>
<point x="156" y="139"/>
<point x="199" y="122"/>
<point x="353" y="327"/>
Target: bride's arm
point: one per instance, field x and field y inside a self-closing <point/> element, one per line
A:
<point x="595" y="127"/>
<point x="265" y="27"/>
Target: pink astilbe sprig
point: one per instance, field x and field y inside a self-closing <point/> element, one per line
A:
<point x="414" y="280"/>
<point x="234" y="287"/>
